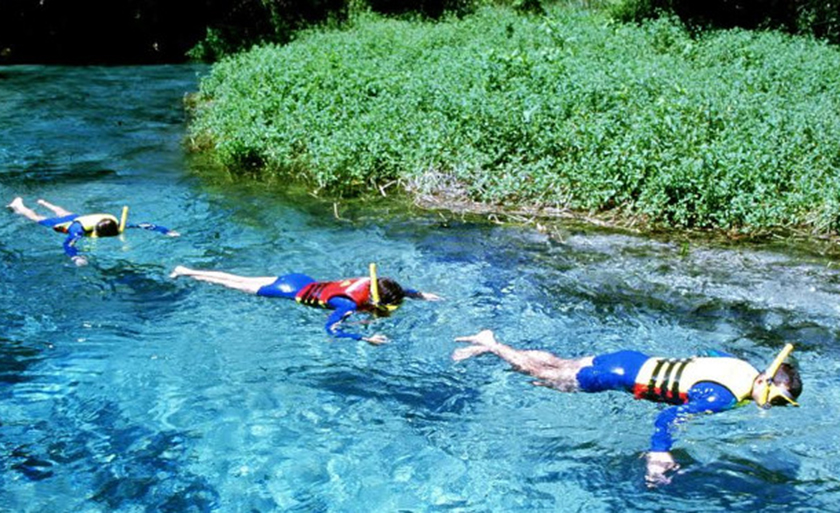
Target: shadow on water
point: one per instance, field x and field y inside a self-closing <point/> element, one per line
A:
<point x="15" y="358"/>
<point x="426" y="397"/>
<point x="741" y="485"/>
<point x="731" y="484"/>
<point x="125" y="465"/>
<point x="44" y="173"/>
<point x="146" y="289"/>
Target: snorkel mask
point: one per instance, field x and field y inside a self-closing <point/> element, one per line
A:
<point x="374" y="292"/>
<point x="771" y="391"/>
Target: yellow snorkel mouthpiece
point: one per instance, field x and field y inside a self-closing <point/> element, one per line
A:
<point x="771" y="391"/>
<point x="123" y="218"/>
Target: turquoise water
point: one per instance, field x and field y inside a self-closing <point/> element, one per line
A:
<point x="124" y="390"/>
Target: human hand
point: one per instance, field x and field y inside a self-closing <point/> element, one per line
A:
<point x="658" y="464"/>
<point x="79" y="260"/>
<point x="375" y="339"/>
<point x="428" y="296"/>
<point x="172" y="233"/>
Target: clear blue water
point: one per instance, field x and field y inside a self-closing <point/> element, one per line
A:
<point x="123" y="390"/>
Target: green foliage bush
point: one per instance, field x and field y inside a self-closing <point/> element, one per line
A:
<point x="244" y="23"/>
<point x="734" y="131"/>
<point x="819" y="18"/>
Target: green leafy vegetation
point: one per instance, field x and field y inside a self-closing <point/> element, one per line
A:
<point x="818" y="18"/>
<point x="732" y="130"/>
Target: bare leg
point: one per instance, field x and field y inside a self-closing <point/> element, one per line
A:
<point x="555" y="372"/>
<point x="60" y="212"/>
<point x="233" y="281"/>
<point x="18" y="207"/>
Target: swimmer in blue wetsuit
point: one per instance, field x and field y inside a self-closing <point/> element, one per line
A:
<point x="369" y="294"/>
<point x="693" y="385"/>
<point x="76" y="226"/>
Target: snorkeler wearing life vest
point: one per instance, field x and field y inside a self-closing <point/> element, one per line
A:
<point x="378" y="296"/>
<point x="78" y="226"/>
<point x="692" y="385"/>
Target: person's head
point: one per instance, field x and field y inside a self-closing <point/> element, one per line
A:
<point x="391" y="294"/>
<point x="780" y="389"/>
<point x="107" y="228"/>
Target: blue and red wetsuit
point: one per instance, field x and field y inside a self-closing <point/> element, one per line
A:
<point x="694" y="385"/>
<point x="344" y="297"/>
<point x="76" y="227"/>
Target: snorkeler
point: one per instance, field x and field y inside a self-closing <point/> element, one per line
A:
<point x="692" y="385"/>
<point x="368" y="294"/>
<point x="76" y="226"/>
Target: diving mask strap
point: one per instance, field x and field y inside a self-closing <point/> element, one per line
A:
<point x="123" y="218"/>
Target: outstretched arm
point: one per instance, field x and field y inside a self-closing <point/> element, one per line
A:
<point x="344" y="308"/>
<point x="154" y="228"/>
<point x="416" y="294"/>
<point x="704" y="397"/>
<point x="74" y="233"/>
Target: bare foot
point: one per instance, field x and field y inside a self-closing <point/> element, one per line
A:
<point x="484" y="338"/>
<point x="178" y="271"/>
<point x="15" y="204"/>
<point x="468" y="352"/>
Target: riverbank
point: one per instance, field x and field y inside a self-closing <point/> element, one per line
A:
<point x="642" y="126"/>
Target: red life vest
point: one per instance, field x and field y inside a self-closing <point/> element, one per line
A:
<point x="320" y="292"/>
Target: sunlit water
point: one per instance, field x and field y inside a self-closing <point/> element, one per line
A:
<point x="124" y="390"/>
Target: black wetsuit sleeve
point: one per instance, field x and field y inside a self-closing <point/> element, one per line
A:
<point x="414" y="294"/>
<point x="151" y="227"/>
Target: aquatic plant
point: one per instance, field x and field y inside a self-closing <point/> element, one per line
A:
<point x="732" y="130"/>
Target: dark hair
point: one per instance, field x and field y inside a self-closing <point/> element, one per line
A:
<point x="390" y="292"/>
<point x="787" y="377"/>
<point x="107" y="228"/>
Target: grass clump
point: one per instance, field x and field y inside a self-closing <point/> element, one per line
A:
<point x="734" y="130"/>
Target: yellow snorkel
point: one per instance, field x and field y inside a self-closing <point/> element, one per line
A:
<point x="123" y="218"/>
<point x="374" y="285"/>
<point x="374" y="291"/>
<point x="771" y="391"/>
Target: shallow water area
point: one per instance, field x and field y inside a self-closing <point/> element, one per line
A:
<point x="124" y="390"/>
